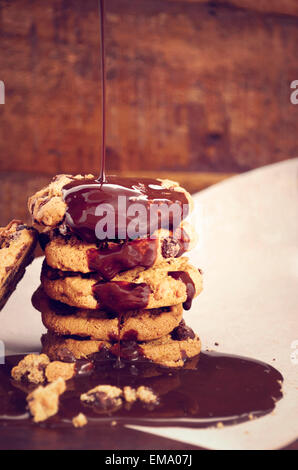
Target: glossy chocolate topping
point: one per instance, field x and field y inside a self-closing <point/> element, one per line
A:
<point x="83" y="197"/>
<point x="121" y="296"/>
<point x="113" y="258"/>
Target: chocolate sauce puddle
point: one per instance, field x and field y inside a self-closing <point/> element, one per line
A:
<point x="210" y="388"/>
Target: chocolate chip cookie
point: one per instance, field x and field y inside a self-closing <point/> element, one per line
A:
<point x="17" y="243"/>
<point x="169" y="283"/>
<point x="69" y="253"/>
<point x="97" y="324"/>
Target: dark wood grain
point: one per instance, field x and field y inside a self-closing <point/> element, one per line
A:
<point x="192" y="86"/>
<point x="289" y="7"/>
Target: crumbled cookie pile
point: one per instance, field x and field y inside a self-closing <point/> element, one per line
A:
<point x="43" y="401"/>
<point x="108" y="397"/>
<point x="37" y="368"/>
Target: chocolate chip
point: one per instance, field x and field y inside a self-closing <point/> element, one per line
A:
<point x="62" y="309"/>
<point x="21" y="227"/>
<point x="43" y="202"/>
<point x="64" y="230"/>
<point x="182" y="332"/>
<point x="65" y="355"/>
<point x="131" y="335"/>
<point x="103" y="401"/>
<point x="43" y="239"/>
<point x="170" y="248"/>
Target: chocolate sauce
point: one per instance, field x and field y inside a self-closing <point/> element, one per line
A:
<point x="189" y="284"/>
<point x="111" y="259"/>
<point x="210" y="388"/>
<point x="103" y="90"/>
<point x="121" y="296"/>
<point x="182" y="332"/>
<point x="83" y="197"/>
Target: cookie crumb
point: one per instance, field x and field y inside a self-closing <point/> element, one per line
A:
<point x="106" y="397"/>
<point x="58" y="369"/>
<point x="219" y="425"/>
<point x="114" y="423"/>
<point x="31" y="368"/>
<point x="129" y="394"/>
<point x="79" y="421"/>
<point x="43" y="402"/>
<point x="146" y="395"/>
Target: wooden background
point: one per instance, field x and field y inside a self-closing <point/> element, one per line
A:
<point x="195" y="90"/>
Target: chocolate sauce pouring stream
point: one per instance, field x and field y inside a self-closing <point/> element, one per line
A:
<point x="102" y="178"/>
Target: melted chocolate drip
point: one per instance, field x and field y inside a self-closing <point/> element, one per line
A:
<point x="83" y="197"/>
<point x="189" y="284"/>
<point x="210" y="388"/>
<point x="121" y="296"/>
<point x="182" y="332"/>
<point x="111" y="260"/>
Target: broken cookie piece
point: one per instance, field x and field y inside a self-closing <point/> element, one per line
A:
<point x="146" y="395"/>
<point x="58" y="369"/>
<point x="43" y="402"/>
<point x="79" y="421"/>
<point x="104" y="397"/>
<point x="31" y="368"/>
<point x="17" y="243"/>
<point x="129" y="394"/>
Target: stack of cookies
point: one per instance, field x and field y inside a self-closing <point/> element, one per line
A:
<point x="124" y="296"/>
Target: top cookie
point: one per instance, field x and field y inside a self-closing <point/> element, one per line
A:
<point x="17" y="243"/>
<point x="69" y="203"/>
<point x="47" y="206"/>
